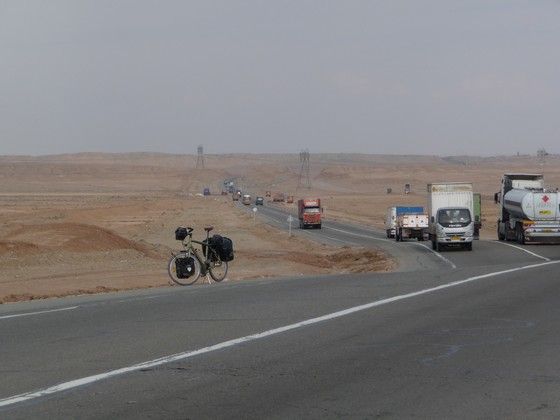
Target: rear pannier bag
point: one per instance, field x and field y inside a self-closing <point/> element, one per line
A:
<point x="223" y="246"/>
<point x="226" y="250"/>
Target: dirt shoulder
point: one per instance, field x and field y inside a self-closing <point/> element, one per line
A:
<point x="57" y="245"/>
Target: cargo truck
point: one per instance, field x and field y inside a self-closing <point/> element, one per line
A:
<point x="412" y="226"/>
<point x="528" y="213"/>
<point x="394" y="212"/>
<point x="309" y="213"/>
<point x="279" y="198"/>
<point x="450" y="208"/>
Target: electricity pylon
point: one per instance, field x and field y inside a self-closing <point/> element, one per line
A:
<point x="304" y="172"/>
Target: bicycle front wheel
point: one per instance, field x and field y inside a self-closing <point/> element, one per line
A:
<point x="217" y="268"/>
<point x="184" y="269"/>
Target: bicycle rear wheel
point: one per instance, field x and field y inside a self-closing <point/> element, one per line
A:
<point x="217" y="268"/>
<point x="184" y="269"/>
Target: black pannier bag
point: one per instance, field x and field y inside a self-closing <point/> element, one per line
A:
<point x="185" y="267"/>
<point x="226" y="250"/>
<point x="180" y="233"/>
<point x="222" y="245"/>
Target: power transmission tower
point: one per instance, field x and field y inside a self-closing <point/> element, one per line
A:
<point x="304" y="172"/>
<point x="541" y="153"/>
<point x="200" y="159"/>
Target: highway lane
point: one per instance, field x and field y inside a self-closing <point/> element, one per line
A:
<point x="444" y="337"/>
<point x="335" y="233"/>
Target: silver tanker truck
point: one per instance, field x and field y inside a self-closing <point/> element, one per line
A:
<point x="528" y="213"/>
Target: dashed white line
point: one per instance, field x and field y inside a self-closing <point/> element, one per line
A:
<point x="38" y="313"/>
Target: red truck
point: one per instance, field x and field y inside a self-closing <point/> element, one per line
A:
<point x="309" y="213"/>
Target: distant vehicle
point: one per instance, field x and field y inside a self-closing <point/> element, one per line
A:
<point x="412" y="226"/>
<point x="279" y="198"/>
<point x="224" y="192"/>
<point x="246" y="199"/>
<point x="290" y="199"/>
<point x="235" y="196"/>
<point x="259" y="201"/>
<point x="393" y="214"/>
<point x="309" y="213"/>
<point x="267" y="193"/>
<point x="206" y="191"/>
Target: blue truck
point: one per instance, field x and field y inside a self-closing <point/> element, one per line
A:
<point x="393" y="214"/>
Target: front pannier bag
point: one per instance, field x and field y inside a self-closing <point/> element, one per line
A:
<point x="184" y="267"/>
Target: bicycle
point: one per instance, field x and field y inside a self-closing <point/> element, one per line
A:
<point x="186" y="266"/>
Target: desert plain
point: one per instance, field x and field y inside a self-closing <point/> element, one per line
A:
<point x="95" y="223"/>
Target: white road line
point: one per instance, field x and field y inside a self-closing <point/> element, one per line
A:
<point x="453" y="266"/>
<point x="361" y="235"/>
<point x="185" y="355"/>
<point x="522" y="249"/>
<point x="38" y="313"/>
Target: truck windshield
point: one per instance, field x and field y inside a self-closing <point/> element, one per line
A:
<point x="454" y="217"/>
<point x="311" y="210"/>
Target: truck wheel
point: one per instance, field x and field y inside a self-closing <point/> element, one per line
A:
<point x="511" y="234"/>
<point x="501" y="236"/>
<point x="434" y="246"/>
<point x="439" y="247"/>
<point x="469" y="246"/>
<point x="520" y="235"/>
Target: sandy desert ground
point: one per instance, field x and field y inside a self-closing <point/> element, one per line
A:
<point x="93" y="223"/>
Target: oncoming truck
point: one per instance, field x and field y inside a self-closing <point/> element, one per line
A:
<point x="450" y="208"/>
<point x="309" y="213"/>
<point x="528" y="213"/>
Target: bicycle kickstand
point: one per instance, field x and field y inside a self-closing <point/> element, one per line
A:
<point x="207" y="276"/>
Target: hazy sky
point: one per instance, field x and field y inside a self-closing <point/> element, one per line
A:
<point x="443" y="77"/>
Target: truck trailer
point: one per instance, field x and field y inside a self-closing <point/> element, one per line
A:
<point x="412" y="226"/>
<point x="528" y="213"/>
<point x="309" y="213"/>
<point x="450" y="208"/>
<point x="393" y="214"/>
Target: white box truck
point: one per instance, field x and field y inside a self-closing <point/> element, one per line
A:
<point x="450" y="208"/>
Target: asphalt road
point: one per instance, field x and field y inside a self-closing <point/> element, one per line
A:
<point x="456" y="335"/>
